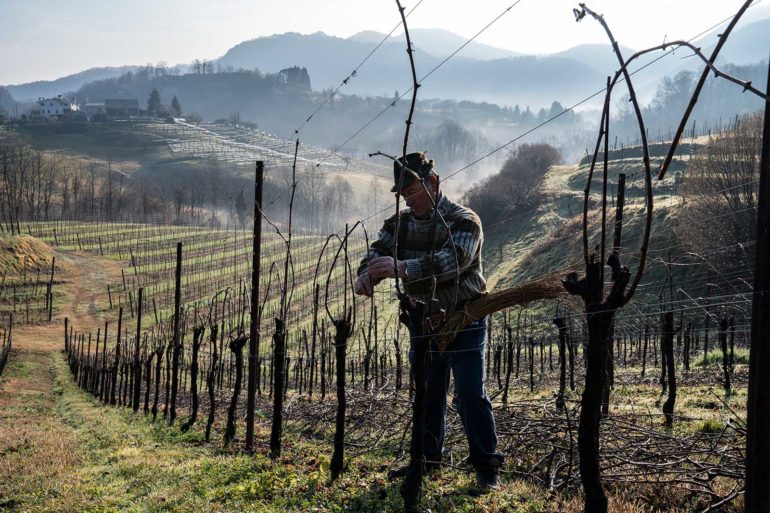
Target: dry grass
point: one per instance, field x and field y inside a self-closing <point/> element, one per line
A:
<point x="23" y="252"/>
<point x="38" y="453"/>
<point x="39" y="450"/>
<point x="546" y="287"/>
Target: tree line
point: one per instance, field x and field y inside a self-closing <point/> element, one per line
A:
<point x="37" y="185"/>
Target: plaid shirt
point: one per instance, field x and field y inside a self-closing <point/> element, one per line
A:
<point x="456" y="265"/>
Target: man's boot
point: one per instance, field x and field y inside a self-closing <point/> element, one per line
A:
<point x="487" y="473"/>
<point x="488" y="480"/>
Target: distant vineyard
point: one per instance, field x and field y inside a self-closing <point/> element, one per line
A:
<point x="213" y="260"/>
<point x="242" y="145"/>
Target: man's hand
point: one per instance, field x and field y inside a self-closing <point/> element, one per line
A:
<point x="385" y="267"/>
<point x="377" y="270"/>
<point x="363" y="285"/>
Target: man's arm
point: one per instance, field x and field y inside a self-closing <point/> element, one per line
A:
<point x="456" y="254"/>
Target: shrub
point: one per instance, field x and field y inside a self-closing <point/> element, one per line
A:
<point x="517" y="185"/>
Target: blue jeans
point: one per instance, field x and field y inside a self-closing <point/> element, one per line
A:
<point x="465" y="358"/>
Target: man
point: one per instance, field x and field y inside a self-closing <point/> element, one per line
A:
<point x="448" y="270"/>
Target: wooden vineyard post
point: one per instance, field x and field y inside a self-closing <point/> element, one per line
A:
<point x="571" y="350"/>
<point x="137" y="365"/>
<point x="50" y="289"/>
<point x="723" y="324"/>
<point x="323" y="360"/>
<point x="508" y="360"/>
<point x="561" y="324"/>
<point x="148" y="355"/>
<point x="96" y="359"/>
<point x="342" y="334"/>
<point x="115" y="365"/>
<point x="254" y="326"/>
<point x="66" y="340"/>
<point x="667" y="340"/>
<point x="159" y="351"/>
<point x="413" y="312"/>
<point x="175" y="340"/>
<point x="757" y="500"/>
<point x="196" y="344"/>
<point x="279" y="337"/>
<point x="279" y="360"/>
<point x="211" y="380"/>
<point x="9" y="338"/>
<point x="236" y="346"/>
<point x="399" y="368"/>
<point x="314" y="337"/>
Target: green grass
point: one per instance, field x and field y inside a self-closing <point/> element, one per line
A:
<point x="128" y="463"/>
<point x="106" y="141"/>
<point x="709" y="426"/>
<point x="714" y="358"/>
<point x="132" y="464"/>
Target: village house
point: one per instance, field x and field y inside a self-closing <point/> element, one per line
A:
<point x="113" y="108"/>
<point x="59" y="106"/>
<point x="121" y="107"/>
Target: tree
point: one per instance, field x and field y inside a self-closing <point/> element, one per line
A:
<point x="240" y="208"/>
<point x="516" y="185"/>
<point x="153" y="102"/>
<point x="450" y="143"/>
<point x="176" y="108"/>
<point x="310" y="189"/>
<point x="179" y="198"/>
<point x="720" y="192"/>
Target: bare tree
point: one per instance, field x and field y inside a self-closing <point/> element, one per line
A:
<point x="516" y="185"/>
<point x="720" y="195"/>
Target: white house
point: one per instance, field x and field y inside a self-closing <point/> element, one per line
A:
<point x="57" y="106"/>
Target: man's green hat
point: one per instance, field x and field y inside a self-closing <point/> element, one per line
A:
<point x="417" y="167"/>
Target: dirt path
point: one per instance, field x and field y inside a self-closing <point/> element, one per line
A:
<point x="37" y="446"/>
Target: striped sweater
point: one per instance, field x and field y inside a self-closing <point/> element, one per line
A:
<point x="456" y="265"/>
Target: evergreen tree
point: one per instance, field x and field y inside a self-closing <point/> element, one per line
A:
<point x="176" y="108"/>
<point x="153" y="102"/>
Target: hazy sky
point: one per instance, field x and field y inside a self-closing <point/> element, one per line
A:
<point x="47" y="39"/>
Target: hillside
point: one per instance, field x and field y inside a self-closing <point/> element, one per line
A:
<point x="211" y="163"/>
<point x="438" y="43"/>
<point x="106" y="447"/>
<point x="7" y="102"/>
<point x="550" y="237"/>
<point x="527" y="245"/>
<point x="274" y="104"/>
<point x="524" y="79"/>
<point x="22" y="253"/>
<point x="31" y="91"/>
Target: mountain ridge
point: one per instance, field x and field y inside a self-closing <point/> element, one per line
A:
<point x="479" y="73"/>
<point x="439" y="43"/>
